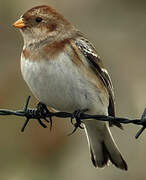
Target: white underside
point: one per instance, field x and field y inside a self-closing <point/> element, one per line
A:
<point x="60" y="84"/>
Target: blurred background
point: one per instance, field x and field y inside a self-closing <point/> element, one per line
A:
<point x="118" y="30"/>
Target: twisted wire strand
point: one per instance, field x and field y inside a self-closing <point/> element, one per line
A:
<point x="39" y="114"/>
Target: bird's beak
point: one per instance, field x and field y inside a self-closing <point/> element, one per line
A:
<point x="19" y="23"/>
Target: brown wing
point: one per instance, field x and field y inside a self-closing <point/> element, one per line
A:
<point x="95" y="63"/>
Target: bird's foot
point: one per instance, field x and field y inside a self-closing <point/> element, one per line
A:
<point x="42" y="110"/>
<point x="39" y="113"/>
<point x="77" y="116"/>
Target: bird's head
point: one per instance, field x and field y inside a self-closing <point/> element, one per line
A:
<point x="43" y="22"/>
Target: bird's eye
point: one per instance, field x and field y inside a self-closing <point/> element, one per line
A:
<point x="38" y="19"/>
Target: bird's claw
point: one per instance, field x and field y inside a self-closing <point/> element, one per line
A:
<point x="39" y="113"/>
<point x="77" y="116"/>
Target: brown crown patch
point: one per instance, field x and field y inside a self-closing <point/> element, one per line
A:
<point x="45" y="10"/>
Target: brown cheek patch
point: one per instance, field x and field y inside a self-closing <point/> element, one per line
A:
<point x="51" y="27"/>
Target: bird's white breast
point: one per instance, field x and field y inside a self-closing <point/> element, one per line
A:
<point x="59" y="84"/>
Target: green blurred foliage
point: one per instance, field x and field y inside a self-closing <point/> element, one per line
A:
<point x="117" y="28"/>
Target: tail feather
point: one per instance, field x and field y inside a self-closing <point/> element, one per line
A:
<point x="103" y="161"/>
<point x="102" y="145"/>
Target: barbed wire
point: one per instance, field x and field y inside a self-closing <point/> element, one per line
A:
<point x="42" y="113"/>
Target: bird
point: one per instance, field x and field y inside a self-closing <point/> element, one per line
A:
<point x="64" y="71"/>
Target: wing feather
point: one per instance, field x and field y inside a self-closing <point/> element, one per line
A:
<point x="88" y="50"/>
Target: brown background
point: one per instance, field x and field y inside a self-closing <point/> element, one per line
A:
<point x="118" y="30"/>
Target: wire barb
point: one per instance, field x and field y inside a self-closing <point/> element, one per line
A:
<point x="143" y="119"/>
<point x="42" y="113"/>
